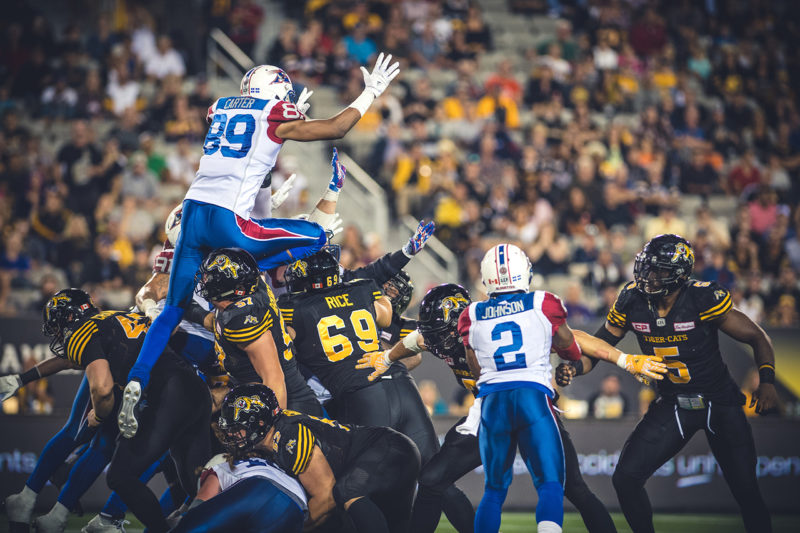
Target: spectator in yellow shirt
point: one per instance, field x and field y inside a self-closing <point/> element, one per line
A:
<point x="500" y="106"/>
<point x="412" y="179"/>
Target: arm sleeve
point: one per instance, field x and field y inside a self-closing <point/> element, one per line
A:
<point x="280" y="113"/>
<point x="464" y="323"/>
<point x="84" y="345"/>
<point x="246" y="326"/>
<point x="381" y="270"/>
<point x="713" y="300"/>
<point x="554" y="310"/>
<point x="295" y="448"/>
<point x="286" y="309"/>
<point x="407" y="325"/>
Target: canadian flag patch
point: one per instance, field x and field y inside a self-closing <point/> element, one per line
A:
<point x="644" y="327"/>
<point x="684" y="326"/>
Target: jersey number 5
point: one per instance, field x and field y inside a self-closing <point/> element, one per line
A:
<point x="516" y="343"/>
<point x="338" y="347"/>
<point x="678" y="371"/>
<point x="222" y="127"/>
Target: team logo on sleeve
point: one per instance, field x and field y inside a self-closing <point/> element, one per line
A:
<point x="290" y="446"/>
<point x="682" y="251"/>
<point x="224" y="264"/>
<point x="452" y="302"/>
<point x="250" y="319"/>
<point x="247" y="404"/>
<point x="718" y="295"/>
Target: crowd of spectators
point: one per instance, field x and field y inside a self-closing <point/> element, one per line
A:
<point x="630" y="119"/>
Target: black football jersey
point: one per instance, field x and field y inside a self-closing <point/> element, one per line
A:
<point x="398" y="330"/>
<point x="296" y="434"/>
<point x="687" y="338"/>
<point x="116" y="336"/>
<point x="246" y="320"/>
<point x="457" y="361"/>
<point x="335" y="327"/>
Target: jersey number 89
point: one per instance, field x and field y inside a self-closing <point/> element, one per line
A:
<point x="222" y="127"/>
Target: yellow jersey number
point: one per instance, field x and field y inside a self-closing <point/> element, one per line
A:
<point x="678" y="371"/>
<point x="338" y="346"/>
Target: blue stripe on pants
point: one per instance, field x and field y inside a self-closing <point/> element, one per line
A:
<point x="520" y="417"/>
<point x="253" y="505"/>
<point x="205" y="227"/>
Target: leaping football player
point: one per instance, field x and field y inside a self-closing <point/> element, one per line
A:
<point x="244" y="138"/>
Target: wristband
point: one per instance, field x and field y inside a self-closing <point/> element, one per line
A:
<point x="362" y="103"/>
<point x="766" y="373"/>
<point x="31" y="375"/>
<point x="99" y="419"/>
<point x="331" y="196"/>
<point x="386" y="359"/>
<point x="147" y="305"/>
<point x="410" y="341"/>
<point x="577" y="365"/>
<point x="622" y="361"/>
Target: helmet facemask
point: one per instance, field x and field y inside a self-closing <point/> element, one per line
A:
<point x="655" y="278"/>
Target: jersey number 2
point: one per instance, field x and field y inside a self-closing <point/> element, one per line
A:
<point x="222" y="127"/>
<point x="516" y="343"/>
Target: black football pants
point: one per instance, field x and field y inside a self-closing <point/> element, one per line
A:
<point x="460" y="454"/>
<point x="661" y="434"/>
<point x="177" y="418"/>
<point x="393" y="401"/>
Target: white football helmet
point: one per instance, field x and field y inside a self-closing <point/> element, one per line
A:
<point x="506" y="268"/>
<point x="173" y="225"/>
<point x="267" y="82"/>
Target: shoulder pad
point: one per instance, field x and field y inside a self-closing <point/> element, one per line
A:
<point x="163" y="261"/>
<point x="294" y="445"/>
<point x="617" y="315"/>
<point x="244" y="322"/>
<point x="712" y="299"/>
<point x="214" y="461"/>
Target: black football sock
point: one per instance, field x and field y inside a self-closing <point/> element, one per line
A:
<point x="367" y="517"/>
<point x="458" y="509"/>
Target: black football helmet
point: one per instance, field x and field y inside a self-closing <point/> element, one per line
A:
<point x="664" y="265"/>
<point x="227" y="274"/>
<point x="318" y="271"/>
<point x="438" y="317"/>
<point x="66" y="308"/>
<point x="248" y="412"/>
<point x="399" y="290"/>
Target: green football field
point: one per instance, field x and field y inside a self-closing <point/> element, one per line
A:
<point x="524" y="522"/>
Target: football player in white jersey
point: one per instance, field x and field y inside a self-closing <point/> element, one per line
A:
<point x="508" y="339"/>
<point x="244" y="137"/>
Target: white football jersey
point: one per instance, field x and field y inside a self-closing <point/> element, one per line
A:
<point x="257" y="467"/>
<point x="512" y="335"/>
<point x="239" y="150"/>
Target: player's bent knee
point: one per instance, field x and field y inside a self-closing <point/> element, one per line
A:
<point x="624" y="482"/>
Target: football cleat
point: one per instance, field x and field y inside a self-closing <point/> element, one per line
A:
<point x="51" y="522"/>
<point x="105" y="524"/>
<point x="19" y="508"/>
<point x="127" y="419"/>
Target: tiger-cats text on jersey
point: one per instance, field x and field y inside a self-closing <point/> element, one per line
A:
<point x="244" y="321"/>
<point x="334" y="328"/>
<point x="687" y="338"/>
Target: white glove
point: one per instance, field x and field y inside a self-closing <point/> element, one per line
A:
<point x="381" y="76"/>
<point x="280" y="196"/>
<point x="302" y="100"/>
<point x="336" y="225"/>
<point x="9" y="385"/>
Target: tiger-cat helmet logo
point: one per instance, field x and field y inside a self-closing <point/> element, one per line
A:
<point x="683" y="251"/>
<point x="247" y="404"/>
<point x="451" y="302"/>
<point x="224" y="264"/>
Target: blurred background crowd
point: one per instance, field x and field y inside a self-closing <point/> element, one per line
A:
<point x="612" y="121"/>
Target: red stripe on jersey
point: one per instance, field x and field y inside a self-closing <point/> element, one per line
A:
<point x="255" y="231"/>
<point x="464" y="323"/>
<point x="554" y="310"/>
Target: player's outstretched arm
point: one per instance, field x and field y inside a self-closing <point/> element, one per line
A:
<point x="647" y="366"/>
<point x="324" y="213"/>
<point x="411" y="345"/>
<point x="318" y="481"/>
<point x="336" y="127"/>
<point x="10" y="384"/>
<point x="264" y="357"/>
<point x="151" y="292"/>
<point x="739" y="326"/>
<point x="101" y="389"/>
